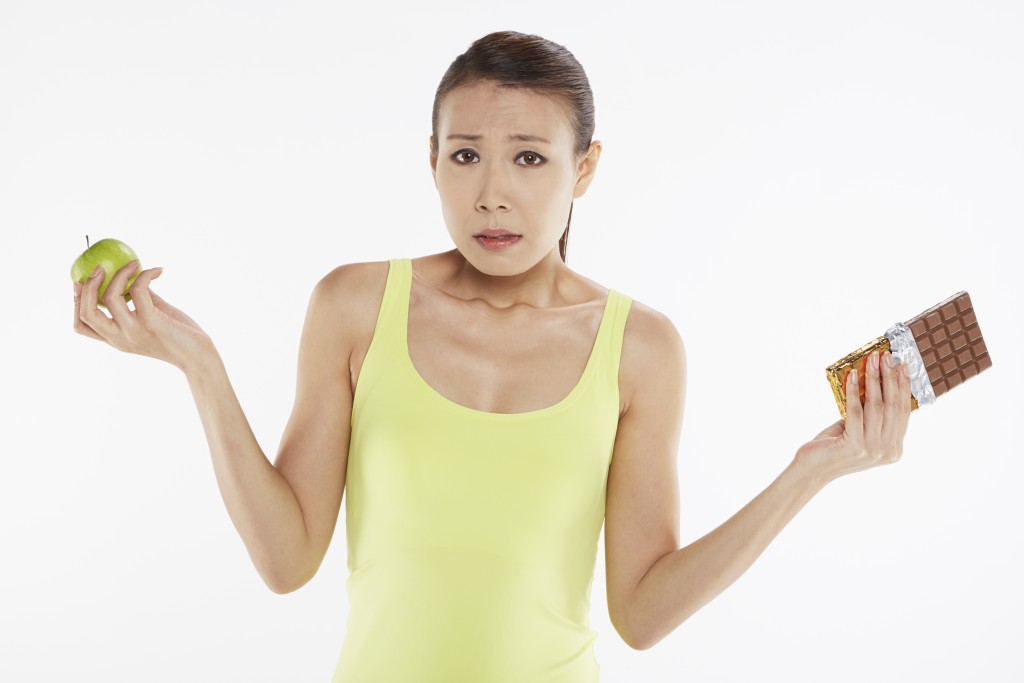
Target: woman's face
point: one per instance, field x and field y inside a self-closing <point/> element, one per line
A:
<point x="505" y="160"/>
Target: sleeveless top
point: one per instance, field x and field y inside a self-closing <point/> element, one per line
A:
<point x="472" y="536"/>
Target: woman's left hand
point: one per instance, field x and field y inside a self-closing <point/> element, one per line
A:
<point x="872" y="434"/>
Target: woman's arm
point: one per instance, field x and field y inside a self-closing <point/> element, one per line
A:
<point x="285" y="512"/>
<point x="260" y="502"/>
<point x="682" y="582"/>
<point x="653" y="584"/>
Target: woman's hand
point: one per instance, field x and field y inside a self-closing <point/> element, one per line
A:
<point x="872" y="434"/>
<point x="155" y="328"/>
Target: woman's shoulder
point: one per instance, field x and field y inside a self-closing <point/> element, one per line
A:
<point x="650" y="333"/>
<point x="652" y="347"/>
<point x="647" y="329"/>
<point x="349" y="296"/>
<point x="355" y="276"/>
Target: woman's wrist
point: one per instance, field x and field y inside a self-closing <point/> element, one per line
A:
<point x="201" y="363"/>
<point x="812" y="470"/>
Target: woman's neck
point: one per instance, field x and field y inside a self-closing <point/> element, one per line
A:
<point x="548" y="284"/>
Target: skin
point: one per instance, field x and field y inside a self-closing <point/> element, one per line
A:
<point x="524" y="187"/>
<point x="286" y="512"/>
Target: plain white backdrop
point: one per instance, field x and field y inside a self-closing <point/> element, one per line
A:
<point x="783" y="180"/>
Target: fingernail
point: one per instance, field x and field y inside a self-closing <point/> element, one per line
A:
<point x="905" y="369"/>
<point x="97" y="271"/>
<point x="874" y="360"/>
<point x="853" y="376"/>
<point x="78" y="288"/>
<point x="888" y="359"/>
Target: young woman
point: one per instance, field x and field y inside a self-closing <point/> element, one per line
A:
<point x="489" y="409"/>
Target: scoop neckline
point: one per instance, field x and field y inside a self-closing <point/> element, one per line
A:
<point x="440" y="398"/>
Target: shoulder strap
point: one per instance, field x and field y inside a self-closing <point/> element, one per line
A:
<point x="393" y="307"/>
<point x="620" y="306"/>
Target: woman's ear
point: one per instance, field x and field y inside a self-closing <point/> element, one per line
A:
<point x="587" y="168"/>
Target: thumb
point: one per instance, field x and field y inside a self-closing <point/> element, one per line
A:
<point x="141" y="295"/>
<point x="171" y="311"/>
<point x="833" y="430"/>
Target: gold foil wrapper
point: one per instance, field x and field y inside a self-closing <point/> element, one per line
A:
<point x="838" y="371"/>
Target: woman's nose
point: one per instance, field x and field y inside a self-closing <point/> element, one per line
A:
<point x="494" y="190"/>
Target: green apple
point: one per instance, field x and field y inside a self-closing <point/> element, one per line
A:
<point x="112" y="255"/>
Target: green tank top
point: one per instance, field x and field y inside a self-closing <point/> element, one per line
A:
<point x="472" y="536"/>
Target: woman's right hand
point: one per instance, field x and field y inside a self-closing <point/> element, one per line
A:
<point x="155" y="328"/>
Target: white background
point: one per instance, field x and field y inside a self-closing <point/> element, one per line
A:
<point x="783" y="180"/>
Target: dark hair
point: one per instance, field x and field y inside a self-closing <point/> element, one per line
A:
<point x="519" y="60"/>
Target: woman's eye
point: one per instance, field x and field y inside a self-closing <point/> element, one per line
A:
<point x="532" y="158"/>
<point x="461" y="152"/>
<point x="538" y="159"/>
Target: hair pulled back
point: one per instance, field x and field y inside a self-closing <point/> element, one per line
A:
<point x="520" y="60"/>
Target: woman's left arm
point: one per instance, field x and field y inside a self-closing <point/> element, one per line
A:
<point x="680" y="582"/>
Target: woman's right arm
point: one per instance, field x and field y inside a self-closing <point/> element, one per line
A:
<point x="286" y="513"/>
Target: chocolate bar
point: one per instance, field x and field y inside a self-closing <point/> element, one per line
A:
<point x="942" y="346"/>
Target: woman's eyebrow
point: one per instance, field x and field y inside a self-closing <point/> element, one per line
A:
<point x="515" y="137"/>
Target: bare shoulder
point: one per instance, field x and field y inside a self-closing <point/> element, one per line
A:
<point x="352" y="294"/>
<point x="356" y="280"/>
<point x="653" y="353"/>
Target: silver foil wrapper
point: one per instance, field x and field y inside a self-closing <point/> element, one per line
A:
<point x="904" y="348"/>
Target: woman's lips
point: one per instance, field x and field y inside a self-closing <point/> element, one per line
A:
<point x="498" y="243"/>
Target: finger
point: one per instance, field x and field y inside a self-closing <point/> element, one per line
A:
<point x="890" y="407"/>
<point x="79" y="326"/>
<point x="854" y="411"/>
<point x="872" y="405"/>
<point x="89" y="311"/>
<point x="113" y="298"/>
<point x="905" y="396"/>
<point x="141" y="295"/>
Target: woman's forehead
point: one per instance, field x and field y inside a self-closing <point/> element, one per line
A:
<point x="487" y="110"/>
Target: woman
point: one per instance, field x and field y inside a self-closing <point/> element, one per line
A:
<point x="489" y="409"/>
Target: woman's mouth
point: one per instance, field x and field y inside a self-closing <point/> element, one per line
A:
<point x="497" y="243"/>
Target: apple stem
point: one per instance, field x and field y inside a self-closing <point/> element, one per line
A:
<point x="86" y="241"/>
